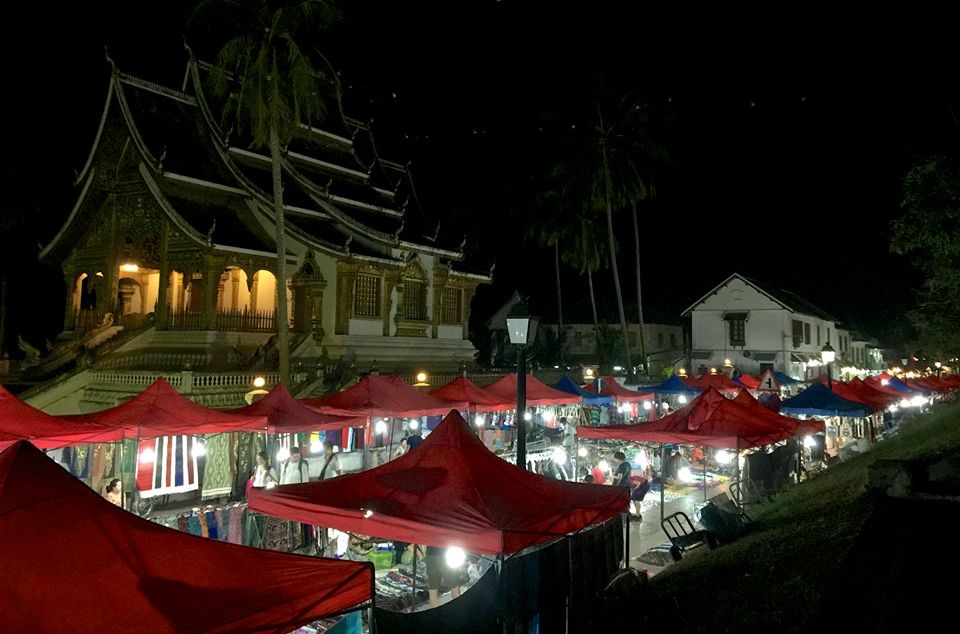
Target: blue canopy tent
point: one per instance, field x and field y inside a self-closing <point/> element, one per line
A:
<point x="673" y="385"/>
<point x="900" y="386"/>
<point x="783" y="379"/>
<point x="818" y="400"/>
<point x="589" y="398"/>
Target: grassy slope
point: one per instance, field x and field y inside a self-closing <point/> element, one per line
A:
<point x="792" y="568"/>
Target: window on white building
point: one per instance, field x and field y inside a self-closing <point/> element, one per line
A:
<point x="797" y="333"/>
<point x="737" y="325"/>
<point x="806" y="333"/>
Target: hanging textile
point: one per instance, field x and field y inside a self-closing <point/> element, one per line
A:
<point x="166" y="465"/>
<point x="96" y="468"/>
<point x="222" y="518"/>
<point x="212" y="527"/>
<point x="217" y="477"/>
<point x="235" y="536"/>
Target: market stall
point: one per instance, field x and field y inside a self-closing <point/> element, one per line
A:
<point x="449" y="493"/>
<point x="846" y="421"/>
<point x="72" y="561"/>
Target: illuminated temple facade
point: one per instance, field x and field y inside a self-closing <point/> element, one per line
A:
<point x="169" y="250"/>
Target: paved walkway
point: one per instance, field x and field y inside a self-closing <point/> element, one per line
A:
<point x="648" y="533"/>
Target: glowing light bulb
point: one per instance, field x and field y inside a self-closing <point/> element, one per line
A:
<point x="455" y="557"/>
<point x="723" y="456"/>
<point x="367" y="514"/>
<point x="199" y="449"/>
<point x="647" y="405"/>
<point x="548" y="417"/>
<point x="559" y="456"/>
<point x="478" y="421"/>
<point x="604" y="466"/>
<point x="527" y="416"/>
<point x="147" y="456"/>
<point x="414" y="424"/>
<point x="685" y="475"/>
<point x="283" y="454"/>
<point x="583" y="452"/>
<point x="380" y="427"/>
<point x="316" y="446"/>
<point x="808" y="442"/>
<point x="682" y="399"/>
<point x="259" y="382"/>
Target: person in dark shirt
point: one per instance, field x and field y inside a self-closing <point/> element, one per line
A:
<point x="621" y="470"/>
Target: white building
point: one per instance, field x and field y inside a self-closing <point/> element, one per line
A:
<point x="758" y="327"/>
<point x="664" y="342"/>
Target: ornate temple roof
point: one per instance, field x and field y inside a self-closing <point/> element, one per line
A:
<point x="339" y="195"/>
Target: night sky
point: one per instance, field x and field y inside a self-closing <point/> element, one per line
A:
<point x="788" y="134"/>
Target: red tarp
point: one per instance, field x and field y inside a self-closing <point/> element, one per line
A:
<point x="772" y="406"/>
<point x="449" y="491"/>
<point x="537" y="393"/>
<point x="384" y="396"/>
<point x="749" y="381"/>
<point x="856" y="390"/>
<point x="719" y="382"/>
<point x="620" y="394"/>
<point x="712" y="420"/>
<point x="463" y="390"/>
<point x="72" y="561"/>
<point x="287" y="415"/>
<point x="162" y="411"/>
<point x="19" y="421"/>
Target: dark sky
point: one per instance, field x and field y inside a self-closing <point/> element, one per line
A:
<point x="789" y="134"/>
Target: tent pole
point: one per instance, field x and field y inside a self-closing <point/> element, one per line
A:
<point x="626" y="541"/>
<point x="736" y="458"/>
<point x="704" y="461"/>
<point x="413" y="578"/>
<point x="663" y="482"/>
<point x="799" y="456"/>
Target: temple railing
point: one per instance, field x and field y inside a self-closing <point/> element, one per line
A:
<point x="234" y="320"/>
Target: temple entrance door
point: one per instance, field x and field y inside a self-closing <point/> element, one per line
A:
<point x="130" y="301"/>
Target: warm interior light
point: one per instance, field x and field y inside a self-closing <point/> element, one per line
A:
<point x="129" y="267"/>
<point x="527" y="416"/>
<point x="723" y="457"/>
<point x="380" y="427"/>
<point x="647" y="405"/>
<point x="583" y="452"/>
<point x="685" y="475"/>
<point x="808" y="442"/>
<point x="604" y="466"/>
<point x="367" y="514"/>
<point x="478" y="421"/>
<point x="259" y="382"/>
<point x="588" y="372"/>
<point x="682" y="399"/>
<point x="414" y="424"/>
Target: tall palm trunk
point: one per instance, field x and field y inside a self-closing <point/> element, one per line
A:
<point x="560" y="331"/>
<point x="283" y="326"/>
<point x="636" y="246"/>
<point x="608" y="190"/>
<point x="593" y="306"/>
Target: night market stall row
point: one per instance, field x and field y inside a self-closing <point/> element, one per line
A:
<point x="452" y="495"/>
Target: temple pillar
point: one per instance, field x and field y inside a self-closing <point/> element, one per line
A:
<point x="391" y="280"/>
<point x="163" y="284"/>
<point x="346" y="280"/>
<point x="211" y="284"/>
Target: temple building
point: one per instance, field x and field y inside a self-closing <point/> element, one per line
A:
<point x="169" y="252"/>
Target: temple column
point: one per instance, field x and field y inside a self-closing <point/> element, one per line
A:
<point x="391" y="280"/>
<point x="70" y="311"/>
<point x="163" y="311"/>
<point x="211" y="284"/>
<point x="346" y="281"/>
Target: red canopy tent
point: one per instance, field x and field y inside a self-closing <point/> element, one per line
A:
<point x="749" y="381"/>
<point x="449" y="491"/>
<point x="384" y="396"/>
<point x="537" y="393"/>
<point x="620" y="394"/>
<point x="855" y="389"/>
<point x="720" y="382"/>
<point x="71" y="559"/>
<point x="287" y="415"/>
<point x="162" y="411"/>
<point x="463" y="390"/>
<point x="20" y="421"/>
<point x="711" y="420"/>
<point x="877" y="384"/>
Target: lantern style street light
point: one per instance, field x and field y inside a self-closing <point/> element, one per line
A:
<point x="522" y="330"/>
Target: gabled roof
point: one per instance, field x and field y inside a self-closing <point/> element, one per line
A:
<point x="333" y="176"/>
<point x="786" y="299"/>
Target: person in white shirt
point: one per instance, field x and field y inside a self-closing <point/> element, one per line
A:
<point x="295" y="470"/>
<point x="331" y="462"/>
<point x="264" y="474"/>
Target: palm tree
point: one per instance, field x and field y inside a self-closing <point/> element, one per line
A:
<point x="624" y="152"/>
<point x="272" y="87"/>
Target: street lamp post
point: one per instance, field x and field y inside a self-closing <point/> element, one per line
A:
<point x="522" y="329"/>
<point x="827" y="355"/>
